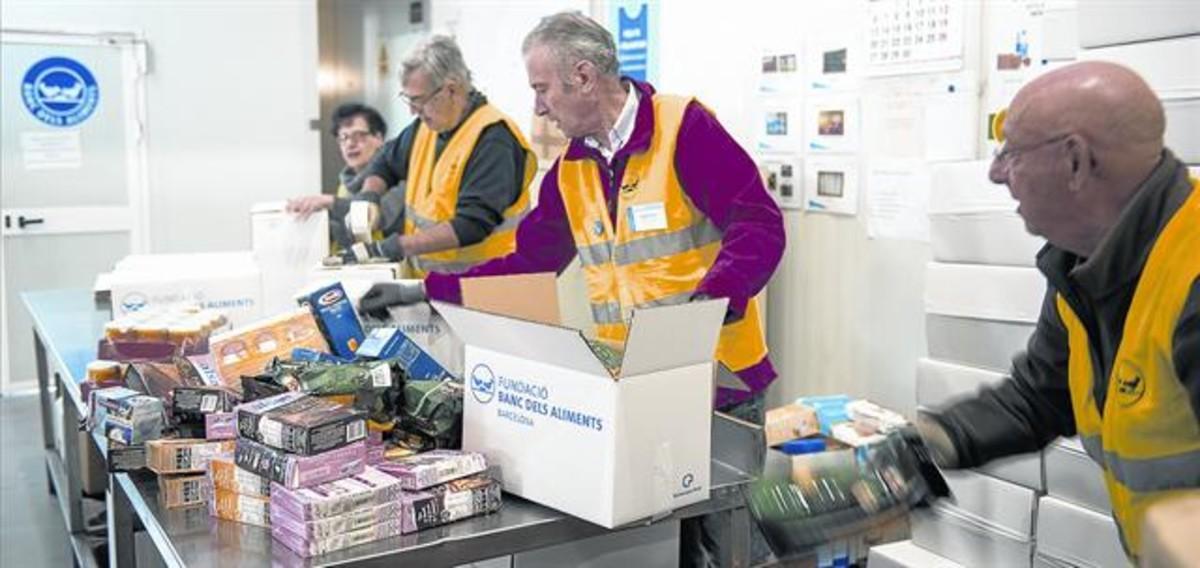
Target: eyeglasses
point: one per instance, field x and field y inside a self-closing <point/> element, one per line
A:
<point x="421" y="100"/>
<point x="356" y="136"/>
<point x="1004" y="154"/>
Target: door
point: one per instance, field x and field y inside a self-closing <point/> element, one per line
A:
<point x="72" y="191"/>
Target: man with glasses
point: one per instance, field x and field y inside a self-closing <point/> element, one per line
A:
<point x="360" y="131"/>
<point x="467" y="168"/>
<point x="1115" y="357"/>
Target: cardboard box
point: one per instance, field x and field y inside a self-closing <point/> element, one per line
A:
<point x="313" y="547"/>
<point x="183" y="456"/>
<point x="449" y="502"/>
<point x="220" y="426"/>
<point x="1072" y="476"/>
<point x="1183" y="127"/>
<point x="224" y="474"/>
<point x="434" y="468"/>
<point x="905" y="554"/>
<point x="286" y="248"/>
<point x="176" y="491"/>
<point x="1078" y="536"/>
<point x="195" y="404"/>
<point x="999" y="505"/>
<point x="229" y="283"/>
<point x="972" y="220"/>
<point x="789" y="422"/>
<point x="961" y="538"/>
<point x="299" y="423"/>
<point x="336" y="317"/>
<point x="940" y="383"/>
<point x="327" y="527"/>
<point x="573" y="435"/>
<point x="391" y="343"/>
<point x="989" y="344"/>
<point x="1001" y="293"/>
<point x="363" y="490"/>
<point x="1104" y="22"/>
<point x="247" y="350"/>
<point x="239" y="508"/>
<point x="293" y="471"/>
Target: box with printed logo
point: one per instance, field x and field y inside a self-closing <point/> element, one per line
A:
<point x="366" y="489"/>
<point x="433" y="468"/>
<point x="224" y="474"/>
<point x="301" y="424"/>
<point x="240" y="508"/>
<point x="392" y="344"/>
<point x="220" y="426"/>
<point x="194" y="404"/>
<point x="184" y="490"/>
<point x="593" y="440"/>
<point x="247" y="350"/>
<point x="336" y="316"/>
<point x="449" y="502"/>
<point x="307" y="547"/>
<point x="293" y="471"/>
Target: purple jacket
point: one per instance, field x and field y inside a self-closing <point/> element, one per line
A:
<point x="720" y="179"/>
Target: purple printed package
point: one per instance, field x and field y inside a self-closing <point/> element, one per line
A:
<point x="316" y="546"/>
<point x="324" y="528"/>
<point x="433" y="468"/>
<point x="220" y="426"/>
<point x="449" y="502"/>
<point x="367" y="489"/>
<point x="299" y="423"/>
<point x="293" y="471"/>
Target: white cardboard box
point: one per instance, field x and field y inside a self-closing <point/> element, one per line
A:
<point x="946" y="532"/>
<point x="973" y="220"/>
<point x="999" y="505"/>
<point x="1072" y="476"/>
<point x="905" y="554"/>
<point x="571" y="435"/>
<point x="229" y="283"/>
<point x="286" y="249"/>
<point x="989" y="344"/>
<point x="1183" y="127"/>
<point x="1077" y="536"/>
<point x="1002" y="293"/>
<point x="1110" y="22"/>
<point x="1158" y="62"/>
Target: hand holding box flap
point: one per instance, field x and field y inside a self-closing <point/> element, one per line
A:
<point x="554" y="345"/>
<point x="692" y="329"/>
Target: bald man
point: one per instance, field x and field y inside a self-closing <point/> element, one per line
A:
<point x="1115" y="357"/>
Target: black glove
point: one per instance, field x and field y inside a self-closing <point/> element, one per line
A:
<point x="383" y="295"/>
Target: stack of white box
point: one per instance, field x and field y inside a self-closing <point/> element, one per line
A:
<point x="982" y="300"/>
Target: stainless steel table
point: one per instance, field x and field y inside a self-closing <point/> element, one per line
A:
<point x="66" y="327"/>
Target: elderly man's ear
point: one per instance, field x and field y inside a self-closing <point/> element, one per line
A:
<point x="1079" y="152"/>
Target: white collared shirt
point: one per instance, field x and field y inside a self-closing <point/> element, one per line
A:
<point x="622" y="129"/>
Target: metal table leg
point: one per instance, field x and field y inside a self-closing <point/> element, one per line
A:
<point x="121" y="552"/>
<point x="71" y="465"/>
<point x="45" y="400"/>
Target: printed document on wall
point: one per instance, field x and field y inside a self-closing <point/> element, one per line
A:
<point x="831" y="185"/>
<point x="914" y="36"/>
<point x="898" y="200"/>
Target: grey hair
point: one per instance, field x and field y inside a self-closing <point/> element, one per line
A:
<point x="440" y="57"/>
<point x="573" y="37"/>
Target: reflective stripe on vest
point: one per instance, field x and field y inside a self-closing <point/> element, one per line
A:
<point x="626" y="269"/>
<point x="433" y="186"/>
<point x="1147" y="440"/>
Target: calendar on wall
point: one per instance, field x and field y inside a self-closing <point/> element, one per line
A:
<point x="914" y="36"/>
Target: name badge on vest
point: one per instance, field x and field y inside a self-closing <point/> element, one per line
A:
<point x="646" y="217"/>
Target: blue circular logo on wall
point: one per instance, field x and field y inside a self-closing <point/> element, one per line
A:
<point x="60" y="91"/>
<point x="483" y="383"/>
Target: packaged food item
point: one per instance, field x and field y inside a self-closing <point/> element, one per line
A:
<point x="293" y="471"/>
<point x="248" y="350"/>
<point x="434" y="410"/>
<point x="336" y="317"/>
<point x="449" y="502"/>
<point x="433" y="468"/>
<point x="392" y="344"/>
<point x="191" y="404"/>
<point x="224" y="474"/>
<point x="326" y="527"/>
<point x="365" y="490"/>
<point x="185" y="490"/>
<point x="220" y="426"/>
<point x="789" y="422"/>
<point x="298" y="423"/>
<point x="233" y="506"/>
<point x="183" y="456"/>
<point x="317" y="546"/>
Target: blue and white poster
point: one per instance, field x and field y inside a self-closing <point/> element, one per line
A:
<point x="60" y="91"/>
<point x="635" y="29"/>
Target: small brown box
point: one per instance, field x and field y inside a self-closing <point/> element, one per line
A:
<point x="188" y="455"/>
<point x="177" y="491"/>
<point x="790" y="422"/>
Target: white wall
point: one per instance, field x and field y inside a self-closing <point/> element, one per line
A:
<point x="231" y="89"/>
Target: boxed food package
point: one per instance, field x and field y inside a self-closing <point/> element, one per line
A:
<point x="249" y="349"/>
<point x="220" y="426"/>
<point x="143" y="422"/>
<point x="240" y="508"/>
<point x="449" y="502"/>
<point x="392" y="343"/>
<point x="183" y="456"/>
<point x="302" y="424"/>
<point x="160" y="379"/>
<point x="313" y="547"/>
<point x="326" y="527"/>
<point x="224" y="474"/>
<point x="228" y="283"/>
<point x="193" y="404"/>
<point x="789" y="422"/>
<point x="176" y="491"/>
<point x="432" y="468"/>
<point x="336" y="317"/>
<point x="364" y="490"/>
<point x="293" y="471"/>
<point x="122" y="458"/>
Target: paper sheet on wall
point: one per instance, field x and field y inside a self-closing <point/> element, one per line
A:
<point x="832" y="66"/>
<point x="914" y="36"/>
<point x="832" y="125"/>
<point x="779" y="128"/>
<point x="898" y="200"/>
<point x="831" y="185"/>
<point x="52" y="150"/>
<point x="783" y="177"/>
<point x="781" y="69"/>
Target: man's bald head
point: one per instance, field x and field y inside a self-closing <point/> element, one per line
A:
<point x="1079" y="141"/>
